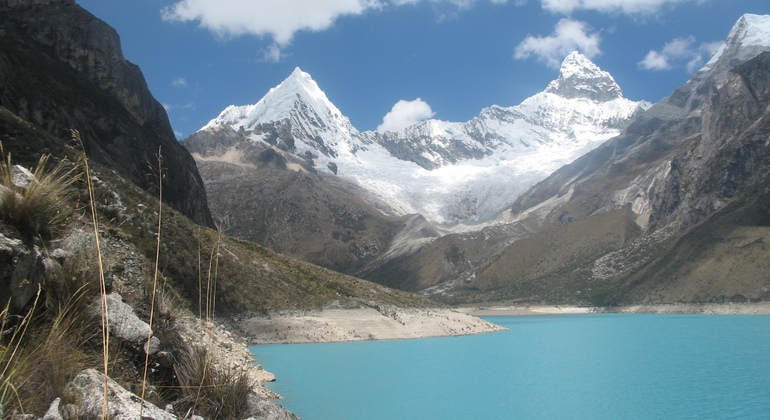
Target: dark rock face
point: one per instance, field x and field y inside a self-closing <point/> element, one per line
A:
<point x="61" y="68"/>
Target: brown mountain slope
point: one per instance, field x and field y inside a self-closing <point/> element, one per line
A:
<point x="260" y="194"/>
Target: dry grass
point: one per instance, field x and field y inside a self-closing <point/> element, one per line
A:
<point x="43" y="206"/>
<point x="207" y="391"/>
<point x="41" y="354"/>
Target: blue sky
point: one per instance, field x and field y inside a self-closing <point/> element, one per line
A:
<point x="457" y="56"/>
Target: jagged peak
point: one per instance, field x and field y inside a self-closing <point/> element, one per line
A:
<point x="579" y="77"/>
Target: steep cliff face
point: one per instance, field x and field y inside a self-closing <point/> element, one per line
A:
<point x="61" y="68"/>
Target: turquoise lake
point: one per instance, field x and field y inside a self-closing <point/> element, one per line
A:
<point x="596" y="366"/>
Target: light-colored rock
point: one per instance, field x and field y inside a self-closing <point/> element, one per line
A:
<point x="126" y="325"/>
<point x="87" y="389"/>
<point x="53" y="411"/>
<point x="267" y="410"/>
<point x="22" y="176"/>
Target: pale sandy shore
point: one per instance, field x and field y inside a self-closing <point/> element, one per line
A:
<point x="336" y="325"/>
<point x="757" y="308"/>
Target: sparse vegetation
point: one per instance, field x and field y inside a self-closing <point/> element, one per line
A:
<point x="36" y="203"/>
<point x="210" y="392"/>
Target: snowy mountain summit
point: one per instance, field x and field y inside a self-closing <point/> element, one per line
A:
<point x="450" y="172"/>
<point x="581" y="78"/>
<point x="297" y="109"/>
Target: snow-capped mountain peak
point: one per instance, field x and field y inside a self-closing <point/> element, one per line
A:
<point x="298" y="92"/>
<point x="579" y="77"/>
<point x="749" y="36"/>
<point x="315" y="124"/>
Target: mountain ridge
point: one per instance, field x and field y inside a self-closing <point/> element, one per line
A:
<point x="437" y="168"/>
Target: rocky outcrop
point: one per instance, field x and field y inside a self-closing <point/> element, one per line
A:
<point x="580" y="78"/>
<point x="22" y="270"/>
<point x="125" y="325"/>
<point x="728" y="157"/>
<point x="61" y="68"/>
<point x="87" y="393"/>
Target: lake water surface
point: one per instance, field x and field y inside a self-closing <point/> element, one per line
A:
<point x="597" y="366"/>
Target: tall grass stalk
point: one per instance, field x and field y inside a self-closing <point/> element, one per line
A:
<point x="211" y="280"/>
<point x="154" y="276"/>
<point x="102" y="282"/>
<point x="12" y="364"/>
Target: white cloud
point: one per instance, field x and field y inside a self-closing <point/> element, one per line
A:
<point x="679" y="52"/>
<point x="280" y="19"/>
<point x="179" y="82"/>
<point x="276" y="19"/>
<point x="569" y="35"/>
<point x="463" y="4"/>
<point x="404" y="114"/>
<point x="655" y="61"/>
<point x="273" y="53"/>
<point x="608" y="6"/>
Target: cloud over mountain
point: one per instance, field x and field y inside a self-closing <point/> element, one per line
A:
<point x="568" y="35"/>
<point x="678" y="52"/>
<point x="404" y="114"/>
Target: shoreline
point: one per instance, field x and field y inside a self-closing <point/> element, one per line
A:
<point x="391" y="323"/>
<point x="360" y="324"/>
<point x="755" y="308"/>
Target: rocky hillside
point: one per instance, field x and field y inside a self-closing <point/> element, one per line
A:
<point x="61" y="69"/>
<point x="263" y="195"/>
